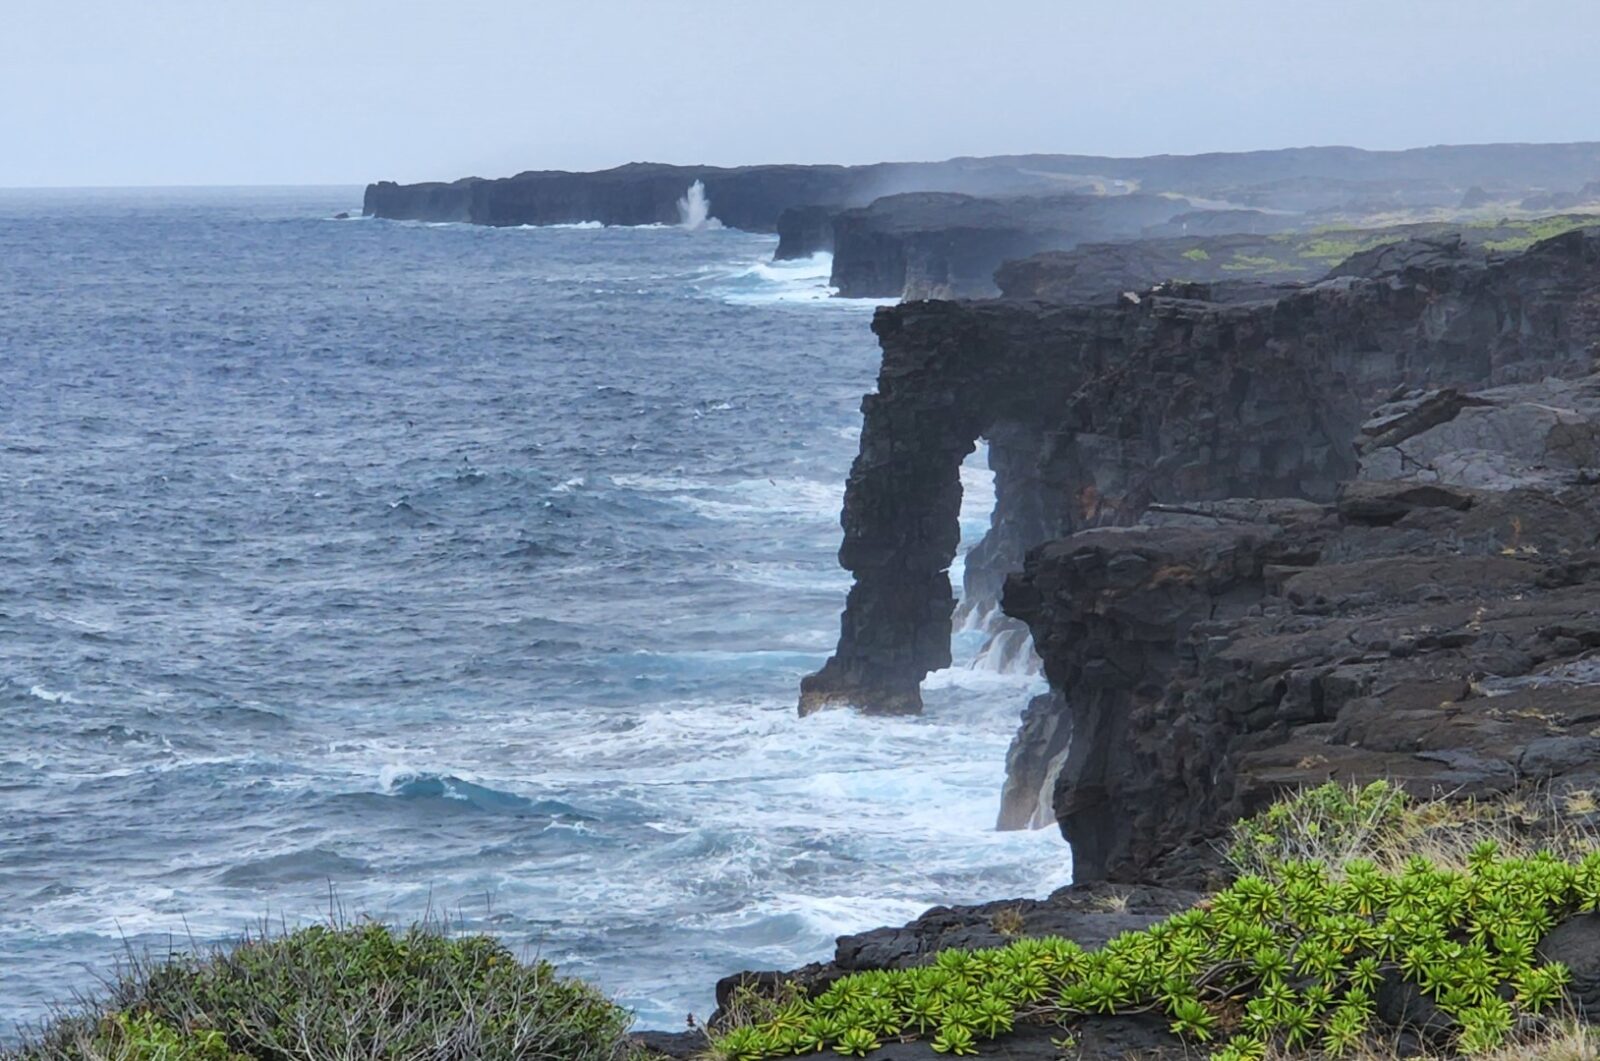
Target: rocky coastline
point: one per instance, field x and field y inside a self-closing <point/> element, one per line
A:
<point x="1284" y="497"/>
<point x="941" y="229"/>
<point x="1276" y="518"/>
<point x="1264" y="537"/>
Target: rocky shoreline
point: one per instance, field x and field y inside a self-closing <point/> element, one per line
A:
<point x="1271" y="528"/>
<point x="1270" y="537"/>
<point x="941" y="229"/>
<point x="1283" y="500"/>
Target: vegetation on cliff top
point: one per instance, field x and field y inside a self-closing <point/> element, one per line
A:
<point x="337" y="993"/>
<point x="1341" y="893"/>
<point x="1321" y="249"/>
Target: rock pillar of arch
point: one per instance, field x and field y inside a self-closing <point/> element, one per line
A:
<point x="948" y="374"/>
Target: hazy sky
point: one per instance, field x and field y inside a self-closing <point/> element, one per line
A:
<point x="114" y="92"/>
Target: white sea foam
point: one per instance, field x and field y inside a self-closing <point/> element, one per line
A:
<point x="50" y="696"/>
<point x="775" y="282"/>
<point x="758" y="500"/>
<point x="977" y="503"/>
<point x="744" y="500"/>
<point x="1010" y="651"/>
<point x="830" y="916"/>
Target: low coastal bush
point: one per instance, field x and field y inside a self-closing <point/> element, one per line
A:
<point x="1288" y="959"/>
<point x="338" y="993"/>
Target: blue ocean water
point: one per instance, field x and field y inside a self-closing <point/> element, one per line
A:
<point x="417" y="568"/>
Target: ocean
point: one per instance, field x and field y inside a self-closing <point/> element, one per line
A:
<point x="404" y="570"/>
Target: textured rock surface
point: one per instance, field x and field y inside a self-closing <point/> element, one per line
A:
<point x="1576" y="944"/>
<point x="1545" y="433"/>
<point x="1194" y="393"/>
<point x="804" y="231"/>
<point x="1438" y="630"/>
<point x="1033" y="763"/>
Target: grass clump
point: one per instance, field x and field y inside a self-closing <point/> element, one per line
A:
<point x="1008" y="922"/>
<point x="1530" y="231"/>
<point x="1255" y="263"/>
<point x="338" y="993"/>
<point x="1287" y="960"/>
<point x="1334" y="823"/>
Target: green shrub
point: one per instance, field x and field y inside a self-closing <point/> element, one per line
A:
<point x="344" y="992"/>
<point x="1331" y="822"/>
<point x="127" y="1037"/>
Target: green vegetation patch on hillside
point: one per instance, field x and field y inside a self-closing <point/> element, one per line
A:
<point x="1519" y="235"/>
<point x="340" y="993"/>
<point x="1325" y="247"/>
<point x="1329" y="906"/>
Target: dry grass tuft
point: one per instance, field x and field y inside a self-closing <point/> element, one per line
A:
<point x="1111" y="904"/>
<point x="1008" y="922"/>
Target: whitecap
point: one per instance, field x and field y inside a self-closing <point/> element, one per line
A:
<point x="774" y="282"/>
<point x="51" y="696"/>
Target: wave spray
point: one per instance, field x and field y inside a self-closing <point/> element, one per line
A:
<point x="694" y="209"/>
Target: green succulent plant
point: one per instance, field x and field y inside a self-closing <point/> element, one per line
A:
<point x="955" y="1039"/>
<point x="1295" y="947"/>
<point x="857" y="1042"/>
<point x="1191" y="1018"/>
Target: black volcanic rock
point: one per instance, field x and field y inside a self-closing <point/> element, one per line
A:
<point x="1101" y="411"/>
<point x="1576" y="944"/>
<point x="1090" y="914"/>
<point x="939" y="229"/>
<point x="1436" y="626"/>
<point x="804" y="231"/>
<point x="937" y="245"/>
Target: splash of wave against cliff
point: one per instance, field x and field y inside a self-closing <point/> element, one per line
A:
<point x="694" y="210"/>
